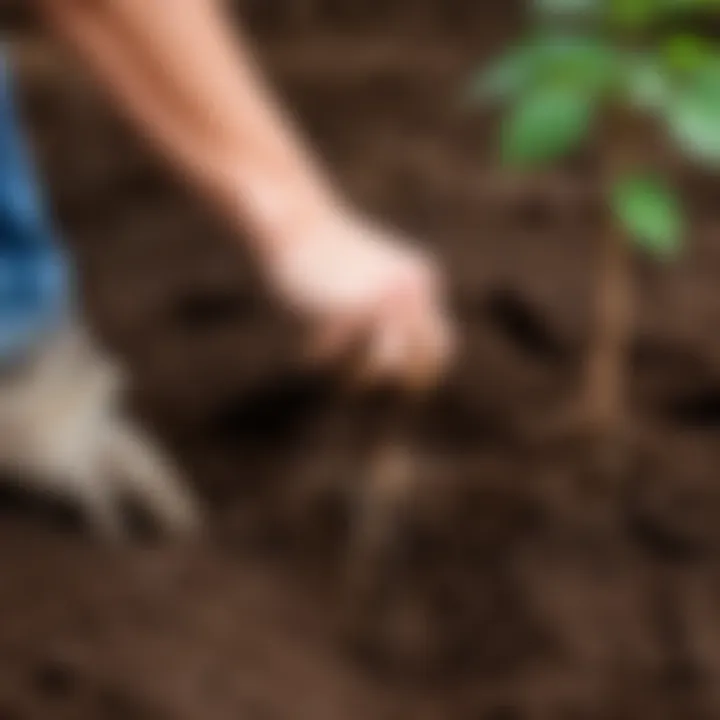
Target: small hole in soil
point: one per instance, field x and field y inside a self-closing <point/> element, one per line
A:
<point x="517" y="321"/>
<point x="270" y="413"/>
<point x="274" y="410"/>
<point x="698" y="410"/>
<point x="54" y="680"/>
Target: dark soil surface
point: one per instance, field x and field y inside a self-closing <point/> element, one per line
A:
<point x="530" y="589"/>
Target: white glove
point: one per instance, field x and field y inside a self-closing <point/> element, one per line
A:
<point x="62" y="434"/>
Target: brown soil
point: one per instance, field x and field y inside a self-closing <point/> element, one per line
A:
<point x="530" y="589"/>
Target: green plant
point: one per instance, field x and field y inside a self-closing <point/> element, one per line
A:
<point x="622" y="70"/>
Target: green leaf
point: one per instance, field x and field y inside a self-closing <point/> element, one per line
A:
<point x="685" y="53"/>
<point x="695" y="127"/>
<point x="689" y="5"/>
<point x="646" y="82"/>
<point x="504" y="78"/>
<point x="579" y="61"/>
<point x="634" y="14"/>
<point x="650" y="213"/>
<point x="572" y="8"/>
<point x="546" y="124"/>
<point x="693" y="115"/>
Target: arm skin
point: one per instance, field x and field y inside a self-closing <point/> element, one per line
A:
<point x="206" y="107"/>
<point x="184" y="74"/>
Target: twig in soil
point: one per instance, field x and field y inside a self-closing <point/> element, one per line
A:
<point x="380" y="512"/>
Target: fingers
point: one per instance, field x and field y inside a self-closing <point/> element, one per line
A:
<point x="385" y="353"/>
<point x="409" y="343"/>
<point x="411" y="351"/>
<point x="393" y="328"/>
<point x="336" y="339"/>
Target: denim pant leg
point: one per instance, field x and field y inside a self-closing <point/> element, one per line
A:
<point x="34" y="280"/>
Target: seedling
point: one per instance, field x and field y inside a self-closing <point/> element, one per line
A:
<point x="623" y="71"/>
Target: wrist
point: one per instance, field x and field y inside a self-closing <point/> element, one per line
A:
<point x="282" y="210"/>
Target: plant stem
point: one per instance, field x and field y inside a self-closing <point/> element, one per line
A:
<point x="606" y="362"/>
<point x="606" y="365"/>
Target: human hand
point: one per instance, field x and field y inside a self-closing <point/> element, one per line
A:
<point x="361" y="286"/>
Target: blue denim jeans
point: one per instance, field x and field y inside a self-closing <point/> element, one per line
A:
<point x="34" y="278"/>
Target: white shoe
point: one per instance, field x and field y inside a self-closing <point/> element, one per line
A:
<point x="62" y="433"/>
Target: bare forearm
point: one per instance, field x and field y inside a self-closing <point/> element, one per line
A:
<point x="190" y="83"/>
